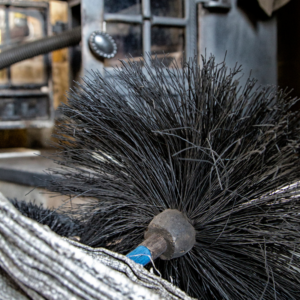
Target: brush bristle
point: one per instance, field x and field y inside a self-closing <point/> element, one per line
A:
<point x="151" y="138"/>
<point x="59" y="223"/>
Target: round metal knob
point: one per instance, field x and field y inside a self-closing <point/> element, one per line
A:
<point x="178" y="234"/>
<point x="102" y="44"/>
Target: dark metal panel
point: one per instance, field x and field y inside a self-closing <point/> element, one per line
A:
<point x="247" y="38"/>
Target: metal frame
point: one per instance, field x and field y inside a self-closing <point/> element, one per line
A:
<point x="93" y="18"/>
<point x="188" y="22"/>
<point x="28" y="90"/>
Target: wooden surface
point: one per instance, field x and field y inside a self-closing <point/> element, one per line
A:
<point x="60" y="58"/>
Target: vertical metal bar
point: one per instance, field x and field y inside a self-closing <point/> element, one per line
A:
<point x="191" y="28"/>
<point x="47" y="58"/>
<point x="49" y="66"/>
<point x="146" y="9"/>
<point x="92" y="12"/>
<point x="199" y="24"/>
<point x="147" y="40"/>
<point x="146" y="30"/>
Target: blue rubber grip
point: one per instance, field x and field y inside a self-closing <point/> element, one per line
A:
<point x="140" y="255"/>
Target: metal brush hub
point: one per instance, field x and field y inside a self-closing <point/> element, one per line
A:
<point x="175" y="229"/>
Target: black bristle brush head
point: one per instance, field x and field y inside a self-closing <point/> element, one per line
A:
<point x="151" y="138"/>
<point x="61" y="224"/>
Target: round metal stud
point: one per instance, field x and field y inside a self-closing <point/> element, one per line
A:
<point x="102" y="44"/>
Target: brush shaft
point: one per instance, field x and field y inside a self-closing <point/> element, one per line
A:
<point x="156" y="244"/>
<point x="149" y="250"/>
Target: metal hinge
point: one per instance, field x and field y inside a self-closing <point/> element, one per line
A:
<point x="216" y="3"/>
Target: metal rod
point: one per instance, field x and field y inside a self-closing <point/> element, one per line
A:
<point x="146" y="9"/>
<point x="169" y="21"/>
<point x="153" y="247"/>
<point x="123" y="18"/>
<point x="147" y="40"/>
<point x="156" y="244"/>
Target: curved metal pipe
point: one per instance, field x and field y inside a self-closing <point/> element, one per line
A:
<point x="42" y="46"/>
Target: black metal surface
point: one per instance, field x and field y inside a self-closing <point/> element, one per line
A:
<point x="244" y="36"/>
